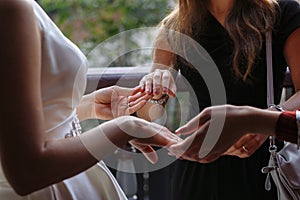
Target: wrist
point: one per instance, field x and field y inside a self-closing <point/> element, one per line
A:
<point x="160" y="101"/>
<point x="264" y="120"/>
<point x="286" y="127"/>
<point x="85" y="109"/>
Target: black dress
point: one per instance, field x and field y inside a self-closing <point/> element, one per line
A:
<point x="232" y="178"/>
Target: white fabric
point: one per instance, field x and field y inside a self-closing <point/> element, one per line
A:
<point x="63" y="82"/>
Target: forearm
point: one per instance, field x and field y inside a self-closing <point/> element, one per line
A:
<point x="283" y="125"/>
<point x="293" y="103"/>
<point x="61" y="159"/>
<point x="261" y="121"/>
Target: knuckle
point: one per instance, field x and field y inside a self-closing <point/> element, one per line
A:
<point x="156" y="76"/>
<point x="166" y="77"/>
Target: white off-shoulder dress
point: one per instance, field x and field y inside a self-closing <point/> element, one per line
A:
<point x="63" y="83"/>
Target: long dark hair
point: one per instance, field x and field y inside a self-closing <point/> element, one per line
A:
<point x="246" y="23"/>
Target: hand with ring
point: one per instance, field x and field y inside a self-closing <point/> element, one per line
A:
<point x="232" y="138"/>
<point x="245" y="148"/>
<point x="191" y="147"/>
<point x="159" y="83"/>
<point x="246" y="145"/>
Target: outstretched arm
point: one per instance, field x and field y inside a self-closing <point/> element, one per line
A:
<point x="291" y="54"/>
<point x="227" y="124"/>
<point x="160" y="81"/>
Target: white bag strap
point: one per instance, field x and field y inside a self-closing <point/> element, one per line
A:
<point x="270" y="89"/>
<point x="270" y="82"/>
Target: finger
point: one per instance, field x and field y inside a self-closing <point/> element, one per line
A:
<point x="138" y="97"/>
<point x="134" y="97"/>
<point x="136" y="107"/>
<point x="184" y="146"/>
<point x="136" y="90"/>
<point x="230" y="150"/>
<point x="247" y="149"/>
<point x="142" y="84"/>
<point x="147" y="151"/>
<point x="172" y="89"/>
<point x="176" y="138"/>
<point x="176" y="149"/>
<point x="252" y="143"/>
<point x="239" y="144"/>
<point x="165" y="82"/>
<point x="171" y="86"/>
<point x="250" y="147"/>
<point x="244" y="140"/>
<point x="209" y="158"/>
<point x="149" y="84"/>
<point x="193" y="124"/>
<point x="157" y="82"/>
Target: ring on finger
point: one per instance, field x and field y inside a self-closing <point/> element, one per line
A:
<point x="245" y="148"/>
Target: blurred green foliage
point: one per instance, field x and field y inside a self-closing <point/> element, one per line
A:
<point x="89" y="22"/>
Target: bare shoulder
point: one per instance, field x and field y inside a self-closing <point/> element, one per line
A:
<point x="16" y="4"/>
<point x="15" y="8"/>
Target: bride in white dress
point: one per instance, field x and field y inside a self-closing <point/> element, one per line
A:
<point x="42" y="83"/>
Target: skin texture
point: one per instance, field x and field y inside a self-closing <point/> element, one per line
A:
<point x="106" y="103"/>
<point x="163" y="60"/>
<point x="238" y="121"/>
<point x="22" y="138"/>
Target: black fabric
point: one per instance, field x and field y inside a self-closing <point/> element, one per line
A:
<point x="232" y="178"/>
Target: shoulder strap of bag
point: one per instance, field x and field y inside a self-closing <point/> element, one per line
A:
<point x="270" y="87"/>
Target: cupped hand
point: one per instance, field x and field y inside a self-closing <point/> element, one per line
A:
<point x="115" y="101"/>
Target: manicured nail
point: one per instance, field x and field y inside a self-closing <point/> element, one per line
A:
<point x="164" y="90"/>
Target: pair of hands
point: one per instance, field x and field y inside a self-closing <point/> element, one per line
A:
<point x="112" y="102"/>
<point x="118" y="103"/>
<point x="229" y="125"/>
<point x="161" y="82"/>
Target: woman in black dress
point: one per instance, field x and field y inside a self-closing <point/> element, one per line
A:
<point x="232" y="33"/>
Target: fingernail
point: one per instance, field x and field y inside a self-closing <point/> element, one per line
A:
<point x="177" y="131"/>
<point x="170" y="154"/>
<point x="165" y="90"/>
